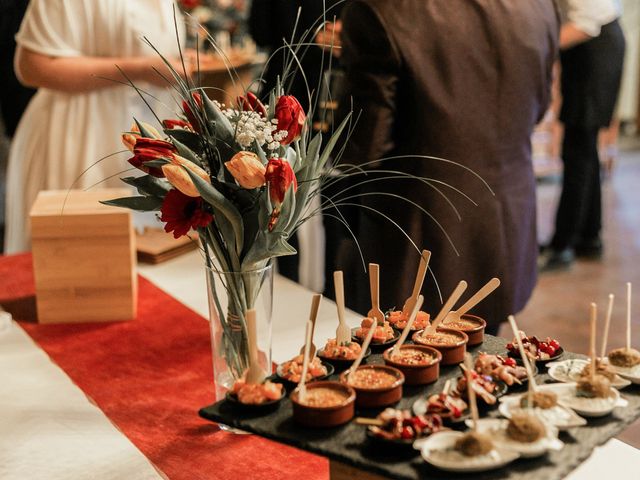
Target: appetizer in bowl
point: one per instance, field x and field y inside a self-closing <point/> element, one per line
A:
<point x="325" y="404"/>
<point x="472" y="325"/>
<point x="255" y="396"/>
<point x="401" y="427"/>
<point x="383" y="335"/>
<point x="341" y="356"/>
<point x="538" y="350"/>
<point x="399" y="320"/>
<point x="500" y="368"/>
<point x="291" y="371"/>
<point x="450" y="343"/>
<point x="418" y="363"/>
<point x="375" y="385"/>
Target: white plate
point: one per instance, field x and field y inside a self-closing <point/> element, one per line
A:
<point x="438" y="450"/>
<point x="497" y="429"/>
<point x="630" y="373"/>
<point x="590" y="407"/>
<point x="569" y="371"/>
<point x="559" y="416"/>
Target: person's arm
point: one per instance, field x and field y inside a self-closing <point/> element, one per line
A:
<point x="571" y="35"/>
<point x="85" y="74"/>
<point x="372" y="66"/>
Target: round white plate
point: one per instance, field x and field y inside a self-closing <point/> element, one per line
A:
<point x="559" y="416"/>
<point x="590" y="407"/>
<point x="438" y="450"/>
<point x="497" y="429"/>
<point x="569" y="371"/>
<point x="631" y="373"/>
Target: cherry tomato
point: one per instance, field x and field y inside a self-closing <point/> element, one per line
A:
<point x="555" y="344"/>
<point x="407" y="432"/>
<point x="509" y="362"/>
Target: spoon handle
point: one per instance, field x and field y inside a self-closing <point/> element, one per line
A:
<point x="480" y="295"/>
<point x="407" y="328"/>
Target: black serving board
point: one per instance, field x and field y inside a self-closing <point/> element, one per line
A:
<point x="348" y="444"/>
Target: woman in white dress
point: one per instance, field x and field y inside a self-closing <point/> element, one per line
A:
<point x="67" y="48"/>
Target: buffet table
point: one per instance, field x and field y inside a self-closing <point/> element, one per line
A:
<point x="51" y="429"/>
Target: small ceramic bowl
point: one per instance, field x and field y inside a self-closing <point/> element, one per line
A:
<point x="452" y="354"/>
<point x="340" y="364"/>
<point x="324" y="416"/>
<point x="290" y="384"/>
<point x="473" y="326"/>
<point x="377" y="396"/>
<point x="417" y="374"/>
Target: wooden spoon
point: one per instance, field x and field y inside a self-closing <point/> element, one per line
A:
<point x="363" y="350"/>
<point x="255" y="374"/>
<point x="607" y="323"/>
<point x="315" y="306"/>
<point x="302" y="385"/>
<point x="480" y="295"/>
<point x="422" y="271"/>
<point x="343" y="333"/>
<point x="451" y="301"/>
<point x="374" y="285"/>
<point x="407" y="328"/>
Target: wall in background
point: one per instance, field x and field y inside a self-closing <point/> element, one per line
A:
<point x="629" y="95"/>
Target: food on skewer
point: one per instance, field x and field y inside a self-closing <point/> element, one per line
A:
<point x="256" y="393"/>
<point x="401" y="425"/>
<point x="623" y="357"/>
<point x="292" y="369"/>
<point x="473" y="444"/>
<point x="383" y="332"/>
<point x="447" y="406"/>
<point x="597" y="386"/>
<point x="399" y="320"/>
<point x="535" y="348"/>
<point x="500" y="368"/>
<point x="541" y="399"/>
<point x="483" y="385"/>
<point x="525" y="428"/>
<point x="344" y="351"/>
<point x="601" y="369"/>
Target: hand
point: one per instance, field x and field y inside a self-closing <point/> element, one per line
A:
<point x="329" y="38"/>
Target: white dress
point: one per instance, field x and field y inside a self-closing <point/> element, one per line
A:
<point x="62" y="134"/>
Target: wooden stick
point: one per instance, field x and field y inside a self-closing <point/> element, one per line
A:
<point x="363" y="350"/>
<point x="302" y="387"/>
<point x="471" y="393"/>
<point x="447" y="387"/>
<point x="369" y="421"/>
<point x="593" y="310"/>
<point x="407" y="328"/>
<point x="628" y="315"/>
<point x="453" y="298"/>
<point x="417" y="286"/>
<point x="525" y="361"/>
<point x="607" y="322"/>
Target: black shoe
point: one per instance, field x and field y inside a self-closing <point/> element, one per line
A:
<point x="556" y="260"/>
<point x="590" y="249"/>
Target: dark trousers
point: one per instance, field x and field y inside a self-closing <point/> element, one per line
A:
<point x="579" y="215"/>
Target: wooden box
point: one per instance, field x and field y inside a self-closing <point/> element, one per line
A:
<point x="83" y="257"/>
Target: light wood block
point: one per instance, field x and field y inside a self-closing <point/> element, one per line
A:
<point x="83" y="257"/>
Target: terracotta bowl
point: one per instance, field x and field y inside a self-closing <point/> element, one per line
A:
<point x="475" y="332"/>
<point x="451" y="354"/>
<point x="381" y="396"/>
<point x="417" y="374"/>
<point x="319" y="417"/>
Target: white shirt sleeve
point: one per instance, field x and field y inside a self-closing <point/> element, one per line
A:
<point x="590" y="15"/>
<point x="48" y="28"/>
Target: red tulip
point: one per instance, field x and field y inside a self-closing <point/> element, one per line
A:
<point x="193" y="119"/>
<point x="147" y="149"/>
<point x="171" y="124"/>
<point x="279" y="175"/>
<point x="251" y="103"/>
<point x="182" y="213"/>
<point x="290" y="116"/>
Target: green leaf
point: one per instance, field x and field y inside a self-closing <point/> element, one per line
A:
<point x="221" y="206"/>
<point x="331" y="145"/>
<point x="143" y="131"/>
<point x="187" y="139"/>
<point x="222" y="124"/>
<point x="187" y="153"/>
<point x="260" y="152"/>
<point x="267" y="245"/>
<point x="149" y="185"/>
<point x="313" y="152"/>
<point x="158" y="162"/>
<point x="141" y="204"/>
<point x="286" y="210"/>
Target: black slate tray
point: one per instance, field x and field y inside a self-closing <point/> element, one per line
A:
<point x="348" y="444"/>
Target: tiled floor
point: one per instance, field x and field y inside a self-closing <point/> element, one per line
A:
<point x="559" y="307"/>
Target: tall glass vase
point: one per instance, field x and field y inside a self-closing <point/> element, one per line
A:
<point x="230" y="295"/>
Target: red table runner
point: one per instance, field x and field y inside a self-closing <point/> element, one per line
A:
<point x="150" y="376"/>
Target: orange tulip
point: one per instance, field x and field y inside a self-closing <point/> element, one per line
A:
<point x="175" y="174"/>
<point x="247" y="169"/>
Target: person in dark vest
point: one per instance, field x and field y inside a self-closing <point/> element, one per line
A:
<point x="466" y="81"/>
<point x="592" y="45"/>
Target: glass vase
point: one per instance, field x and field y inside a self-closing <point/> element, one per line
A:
<point x="230" y="294"/>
